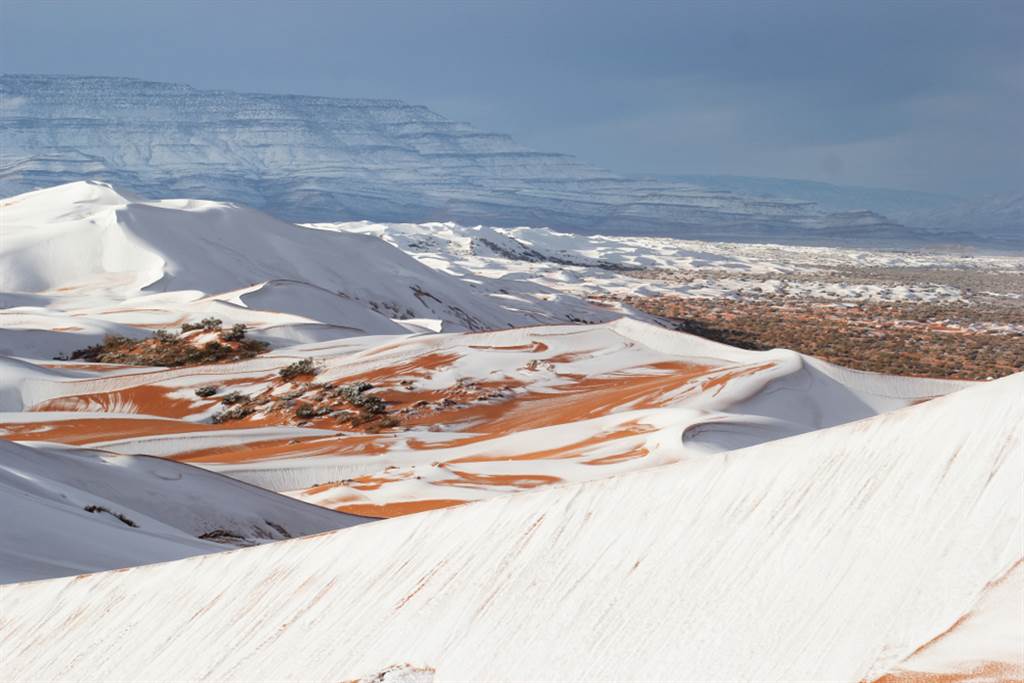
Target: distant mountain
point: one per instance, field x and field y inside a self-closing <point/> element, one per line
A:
<point x="999" y="217"/>
<point x="827" y="196"/>
<point x="317" y="158"/>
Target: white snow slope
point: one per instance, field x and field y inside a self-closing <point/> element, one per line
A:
<point x="618" y="265"/>
<point x="834" y="555"/>
<point x="143" y="510"/>
<point x="86" y="256"/>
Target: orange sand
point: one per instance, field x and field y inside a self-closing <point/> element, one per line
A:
<point x="397" y="509"/>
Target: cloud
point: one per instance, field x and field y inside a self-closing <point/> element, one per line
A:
<point x="921" y="93"/>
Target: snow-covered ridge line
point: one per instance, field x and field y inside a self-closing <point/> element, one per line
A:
<point x="319" y="158"/>
<point x="72" y="511"/>
<point x="813" y="558"/>
<point x="85" y="259"/>
<point x="615" y="265"/>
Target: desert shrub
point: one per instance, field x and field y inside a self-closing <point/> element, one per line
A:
<point x="210" y="324"/>
<point x="234" y="398"/>
<point x="351" y="392"/>
<point x="120" y="517"/>
<point x="305" y="412"/>
<point x="233" y="413"/>
<point x="370" y="405"/>
<point x="98" y="353"/>
<point x="164" y="337"/>
<point x="164" y="349"/>
<point x="235" y="334"/>
<point x="356" y="395"/>
<point x="306" y="366"/>
<point x="206" y="392"/>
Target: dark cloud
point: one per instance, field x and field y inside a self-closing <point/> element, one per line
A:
<point x="927" y="95"/>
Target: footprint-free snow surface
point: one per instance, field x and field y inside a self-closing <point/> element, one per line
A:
<point x="71" y="511"/>
<point x="841" y="555"/>
<point x="452" y="467"/>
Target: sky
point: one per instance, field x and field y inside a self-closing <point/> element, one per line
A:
<point x="913" y="95"/>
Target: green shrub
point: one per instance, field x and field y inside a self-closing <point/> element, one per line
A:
<point x="165" y="337"/>
<point x="235" y="334"/>
<point x="210" y="324"/>
<point x="306" y="366"/>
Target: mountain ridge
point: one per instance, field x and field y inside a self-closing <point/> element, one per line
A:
<point x="310" y="158"/>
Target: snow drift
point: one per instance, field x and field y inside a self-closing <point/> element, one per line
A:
<point x="70" y="511"/>
<point x="835" y="555"/>
<point x="105" y="247"/>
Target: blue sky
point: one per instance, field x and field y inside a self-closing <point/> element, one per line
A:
<point x="916" y="95"/>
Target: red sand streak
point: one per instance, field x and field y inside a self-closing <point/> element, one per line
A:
<point x="397" y="509"/>
<point x="572" y="450"/>
<point x="987" y="671"/>
<point x="632" y="454"/>
<point x="90" y="430"/>
<point x="355" y="444"/>
<point x="535" y="347"/>
<point x="91" y="367"/>
<point x="521" y="481"/>
<point x="148" y="399"/>
<point x="973" y="671"/>
<point x="719" y="381"/>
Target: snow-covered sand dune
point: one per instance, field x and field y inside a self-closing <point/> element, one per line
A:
<point x="70" y="511"/>
<point x="620" y="265"/>
<point x="477" y="415"/>
<point x="868" y="549"/>
<point x="86" y="259"/>
<point x="642" y="504"/>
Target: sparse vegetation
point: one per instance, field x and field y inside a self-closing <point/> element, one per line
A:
<point x="226" y="537"/>
<point x="920" y="339"/>
<point x="117" y="515"/>
<point x="235" y="334"/>
<point x="164" y="349"/>
<point x="165" y="337"/>
<point x="234" y="398"/>
<point x="233" y="413"/>
<point x="207" y="324"/>
<point x="207" y="391"/>
<point x="299" y="368"/>
<point x="350" y="404"/>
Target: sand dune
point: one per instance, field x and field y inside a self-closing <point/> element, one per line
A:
<point x="600" y="500"/>
<point x="71" y="511"/>
<point x="835" y="555"/>
<point x="477" y="415"/>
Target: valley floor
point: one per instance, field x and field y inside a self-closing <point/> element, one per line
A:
<point x="954" y="340"/>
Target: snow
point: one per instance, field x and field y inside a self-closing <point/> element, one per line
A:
<point x="44" y="493"/>
<point x="834" y="555"/>
<point x="318" y="158"/>
<point x="627" y="502"/>
<point x="605" y="265"/>
<point x="108" y="262"/>
<point x="599" y="393"/>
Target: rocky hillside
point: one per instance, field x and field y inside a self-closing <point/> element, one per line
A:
<point x="317" y="158"/>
